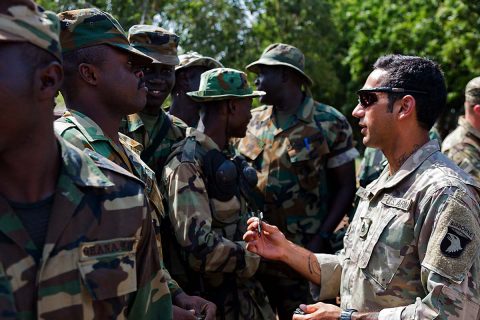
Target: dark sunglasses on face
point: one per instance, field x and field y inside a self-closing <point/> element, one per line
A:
<point x="367" y="97"/>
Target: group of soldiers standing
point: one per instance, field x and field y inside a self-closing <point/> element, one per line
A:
<point x="119" y="209"/>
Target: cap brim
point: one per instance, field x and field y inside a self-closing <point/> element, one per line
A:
<point x="158" y="57"/>
<point x="253" y="67"/>
<point x="197" y="96"/>
<point x="137" y="54"/>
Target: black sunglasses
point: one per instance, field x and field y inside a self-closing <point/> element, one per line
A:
<point x="367" y="97"/>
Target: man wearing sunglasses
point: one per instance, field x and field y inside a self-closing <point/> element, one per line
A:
<point x="412" y="249"/>
<point x="463" y="144"/>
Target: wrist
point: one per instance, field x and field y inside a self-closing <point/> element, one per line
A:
<point x="347" y="314"/>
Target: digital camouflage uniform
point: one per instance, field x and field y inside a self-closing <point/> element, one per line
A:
<point x="291" y="161"/>
<point x="373" y="162"/>
<point x="412" y="249"/>
<point x="208" y="230"/>
<point x="165" y="130"/>
<point x="463" y="147"/>
<point x="91" y="266"/>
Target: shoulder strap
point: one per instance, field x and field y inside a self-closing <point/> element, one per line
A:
<point x="148" y="152"/>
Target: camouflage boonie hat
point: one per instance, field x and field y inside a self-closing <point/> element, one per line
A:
<point x="158" y="43"/>
<point x="280" y="54"/>
<point x="472" y="91"/>
<point x="194" y="59"/>
<point x="92" y="27"/>
<point x="223" y="84"/>
<point x="33" y="25"/>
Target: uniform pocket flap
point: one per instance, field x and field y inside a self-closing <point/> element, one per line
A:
<point x="108" y="268"/>
<point x="306" y="148"/>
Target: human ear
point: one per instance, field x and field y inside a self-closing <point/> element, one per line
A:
<point x="89" y="73"/>
<point x="407" y="107"/>
<point x="50" y="79"/>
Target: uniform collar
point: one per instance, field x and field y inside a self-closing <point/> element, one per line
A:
<point x="409" y="166"/>
<point x="85" y="125"/>
<point x="304" y="111"/>
<point x="465" y="124"/>
<point x="133" y="122"/>
<point x="80" y="168"/>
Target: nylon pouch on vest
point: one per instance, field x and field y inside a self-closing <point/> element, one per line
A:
<point x="221" y="174"/>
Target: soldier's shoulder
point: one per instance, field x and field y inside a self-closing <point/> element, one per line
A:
<point x="325" y="112"/>
<point x="453" y="138"/>
<point x="261" y="109"/>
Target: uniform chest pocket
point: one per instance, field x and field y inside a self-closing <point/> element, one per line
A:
<point x="108" y="268"/>
<point x="386" y="242"/>
<point x="307" y="157"/>
<point x="225" y="212"/>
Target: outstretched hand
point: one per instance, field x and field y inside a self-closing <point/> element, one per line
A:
<point x="319" y="311"/>
<point x="269" y="243"/>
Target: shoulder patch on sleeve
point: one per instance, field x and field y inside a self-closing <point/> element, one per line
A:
<point x="454" y="242"/>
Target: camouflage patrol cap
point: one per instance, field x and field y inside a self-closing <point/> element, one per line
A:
<point x="280" y="54"/>
<point x="194" y="59"/>
<point x="158" y="43"/>
<point x="90" y="27"/>
<point x="223" y="84"/>
<point x="472" y="91"/>
<point x="29" y="23"/>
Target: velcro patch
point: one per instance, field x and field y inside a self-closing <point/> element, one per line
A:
<point x="454" y="242"/>
<point x="95" y="249"/>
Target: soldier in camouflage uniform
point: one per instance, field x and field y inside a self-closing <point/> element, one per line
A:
<point x="412" y="249"/>
<point x="463" y="144"/>
<point x="207" y="209"/>
<point x="187" y="78"/>
<point x="373" y="162"/>
<point x="304" y="154"/>
<point x="62" y="256"/>
<point x="93" y="117"/>
<point x="152" y="127"/>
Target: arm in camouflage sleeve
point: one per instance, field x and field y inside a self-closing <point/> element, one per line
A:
<point x="449" y="241"/>
<point x="191" y="218"/>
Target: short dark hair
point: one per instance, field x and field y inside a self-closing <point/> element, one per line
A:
<point x="420" y="74"/>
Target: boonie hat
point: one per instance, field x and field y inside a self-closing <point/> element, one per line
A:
<point x="195" y="59"/>
<point x="158" y="43"/>
<point x="31" y="24"/>
<point x="223" y="84"/>
<point x="280" y="54"/>
<point x="84" y="28"/>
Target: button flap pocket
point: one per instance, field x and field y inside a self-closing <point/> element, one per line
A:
<point x="374" y="232"/>
<point x="108" y="268"/>
<point x="306" y="148"/>
<point x="250" y="146"/>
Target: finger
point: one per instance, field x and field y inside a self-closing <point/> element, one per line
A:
<point x="268" y="227"/>
<point x="251" y="219"/>
<point x="250" y="235"/>
<point x="253" y="223"/>
<point x="252" y="247"/>
<point x="210" y="311"/>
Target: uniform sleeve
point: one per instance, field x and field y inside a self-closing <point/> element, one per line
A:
<point x="76" y="138"/>
<point x="152" y="298"/>
<point x="449" y="244"/>
<point x="191" y="219"/>
<point x="340" y="140"/>
<point x="331" y="274"/>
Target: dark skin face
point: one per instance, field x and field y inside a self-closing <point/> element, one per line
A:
<point x="270" y="79"/>
<point x="159" y="79"/>
<point x="239" y="117"/>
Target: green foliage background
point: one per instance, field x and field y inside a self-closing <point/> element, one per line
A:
<point x="340" y="38"/>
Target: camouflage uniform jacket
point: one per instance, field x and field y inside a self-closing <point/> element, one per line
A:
<point x="134" y="127"/>
<point x="412" y="249"/>
<point x="292" y="162"/>
<point x="92" y="266"/>
<point x="209" y="231"/>
<point x="374" y="162"/>
<point x="83" y="133"/>
<point x="463" y="147"/>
